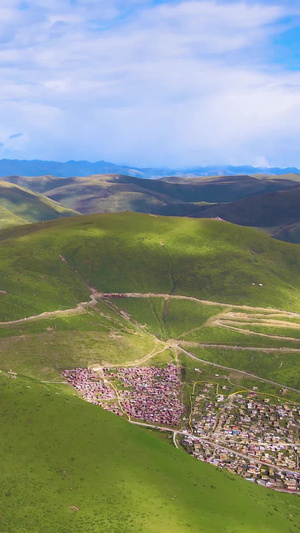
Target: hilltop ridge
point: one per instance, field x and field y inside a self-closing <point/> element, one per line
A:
<point x="19" y="205"/>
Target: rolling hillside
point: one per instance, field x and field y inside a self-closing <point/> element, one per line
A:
<point x="206" y="258"/>
<point x="172" y="196"/>
<point x="288" y="233"/>
<point x="7" y="218"/>
<point x="261" y="201"/>
<point x="71" y="467"/>
<point x="22" y="206"/>
<point x="265" y="211"/>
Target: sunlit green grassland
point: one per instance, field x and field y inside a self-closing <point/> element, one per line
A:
<point x="134" y="252"/>
<point x="283" y="368"/>
<point x="22" y="206"/>
<point x="62" y="454"/>
<point x="168" y="318"/>
<point x="45" y="347"/>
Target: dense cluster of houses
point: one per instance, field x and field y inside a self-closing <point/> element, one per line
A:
<point x="251" y="470"/>
<point x="248" y="434"/>
<point x="89" y="385"/>
<point x="152" y="393"/>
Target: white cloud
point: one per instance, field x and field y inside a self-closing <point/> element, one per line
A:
<point x="176" y="83"/>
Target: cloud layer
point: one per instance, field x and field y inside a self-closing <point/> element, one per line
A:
<point x="152" y="83"/>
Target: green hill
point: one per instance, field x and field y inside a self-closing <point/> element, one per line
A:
<point x="70" y="467"/>
<point x="135" y="252"/>
<point x="22" y="206"/>
<point x="265" y="211"/>
<point x="117" y="192"/>
<point x="289" y="233"/>
<point x="261" y="201"/>
<point x="7" y="218"/>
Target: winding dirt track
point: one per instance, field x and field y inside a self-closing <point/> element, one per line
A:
<point x="198" y="300"/>
<point x="60" y="312"/>
<point x="242" y="372"/>
<point x="95" y="297"/>
<point x="192" y="344"/>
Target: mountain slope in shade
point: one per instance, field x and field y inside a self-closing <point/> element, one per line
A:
<point x="288" y="233"/>
<point x="267" y="210"/>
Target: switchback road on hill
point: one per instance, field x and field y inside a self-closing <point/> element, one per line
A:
<point x="95" y="296"/>
<point x="198" y="300"/>
<point x="243" y="372"/>
<point x="173" y="343"/>
<point x="80" y="308"/>
<point x="282" y="349"/>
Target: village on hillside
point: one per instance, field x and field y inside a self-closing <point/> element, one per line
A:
<point x="250" y="434"/>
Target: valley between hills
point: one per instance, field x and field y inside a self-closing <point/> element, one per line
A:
<point x="199" y="317"/>
<point x="267" y="202"/>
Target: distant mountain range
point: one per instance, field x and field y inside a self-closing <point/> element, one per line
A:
<point x="36" y="167"/>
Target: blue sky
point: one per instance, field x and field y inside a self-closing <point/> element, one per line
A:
<point x="144" y="82"/>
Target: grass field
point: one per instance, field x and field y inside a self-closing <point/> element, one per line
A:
<point x="62" y="454"/>
<point x="205" y="258"/>
<point x="43" y="348"/>
<point x="219" y="335"/>
<point x="281" y="367"/>
<point x="147" y="312"/>
<point x="89" y="471"/>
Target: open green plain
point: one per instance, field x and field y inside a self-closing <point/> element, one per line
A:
<point x="71" y="467"/>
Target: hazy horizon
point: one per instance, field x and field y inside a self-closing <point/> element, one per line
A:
<point x="141" y="166"/>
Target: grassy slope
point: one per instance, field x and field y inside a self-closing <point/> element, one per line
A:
<point x="114" y="192"/>
<point x="288" y="233"/>
<point x="221" y="189"/>
<point x="259" y="200"/>
<point x="280" y="367"/>
<point x="188" y="321"/>
<point x="119" y="477"/>
<point x="43" y="348"/>
<point x="8" y="219"/>
<point x="24" y="206"/>
<point x="205" y="258"/>
<point x="267" y="210"/>
<point x="169" y="319"/>
<point x="95" y="194"/>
